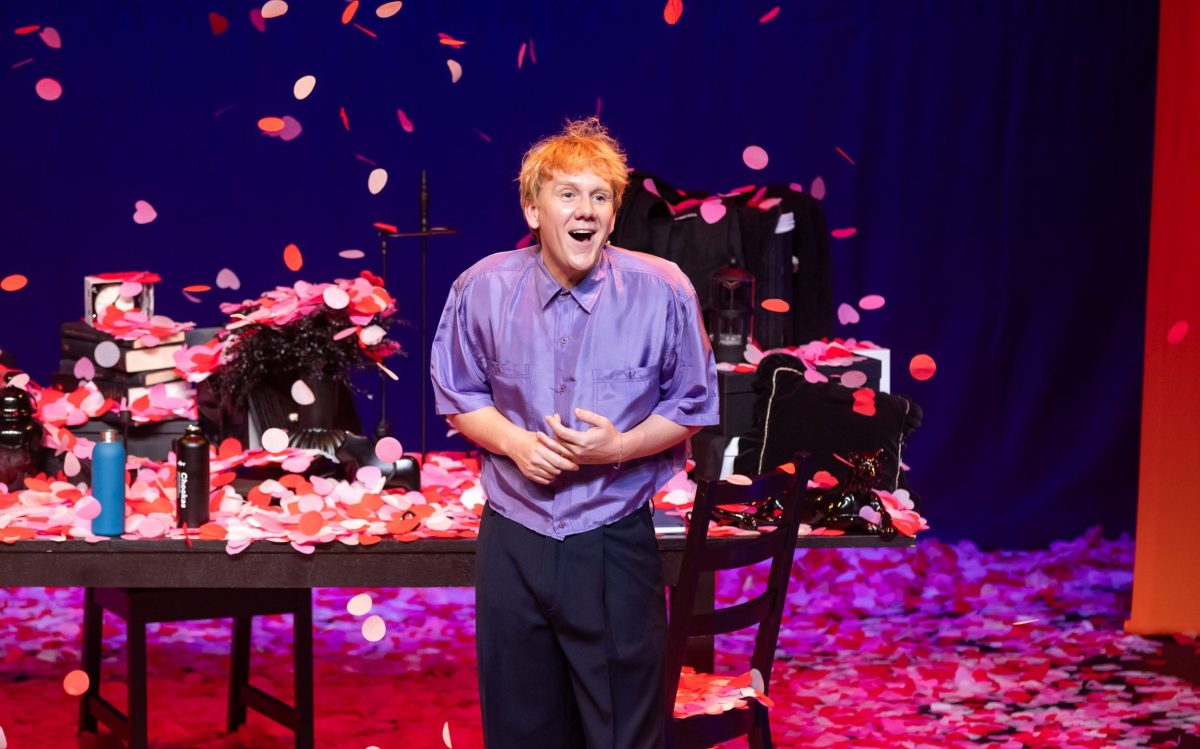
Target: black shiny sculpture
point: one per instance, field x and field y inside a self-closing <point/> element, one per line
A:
<point x="20" y="437"/>
<point x="841" y="507"/>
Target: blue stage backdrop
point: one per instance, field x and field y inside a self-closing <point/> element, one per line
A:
<point x="994" y="157"/>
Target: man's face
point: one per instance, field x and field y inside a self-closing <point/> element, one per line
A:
<point x="573" y="214"/>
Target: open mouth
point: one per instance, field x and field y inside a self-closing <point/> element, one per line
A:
<point x="581" y="235"/>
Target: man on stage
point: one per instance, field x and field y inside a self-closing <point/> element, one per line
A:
<point x="581" y="369"/>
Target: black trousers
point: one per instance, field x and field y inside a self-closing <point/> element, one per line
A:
<point x="570" y="636"/>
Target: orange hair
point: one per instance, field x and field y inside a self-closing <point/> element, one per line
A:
<point x="583" y="145"/>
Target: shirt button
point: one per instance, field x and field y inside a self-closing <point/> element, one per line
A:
<point x="562" y="340"/>
<point x="562" y="388"/>
<point x="561" y="526"/>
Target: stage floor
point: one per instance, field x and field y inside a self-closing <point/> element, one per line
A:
<point x="937" y="646"/>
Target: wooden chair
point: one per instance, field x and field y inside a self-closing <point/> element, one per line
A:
<point x="141" y="606"/>
<point x="691" y="618"/>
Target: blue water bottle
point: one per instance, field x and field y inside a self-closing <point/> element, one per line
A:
<point x="108" y="484"/>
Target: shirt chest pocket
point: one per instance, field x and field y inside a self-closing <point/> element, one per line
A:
<point x="510" y="383"/>
<point x="626" y="395"/>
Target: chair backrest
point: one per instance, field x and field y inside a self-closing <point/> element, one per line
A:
<point x="703" y="554"/>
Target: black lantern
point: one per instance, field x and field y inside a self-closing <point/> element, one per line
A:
<point x="730" y="313"/>
<point x="20" y="436"/>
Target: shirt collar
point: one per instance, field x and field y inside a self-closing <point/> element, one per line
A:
<point x="586" y="292"/>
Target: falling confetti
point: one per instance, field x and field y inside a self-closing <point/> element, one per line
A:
<point x="349" y="11"/>
<point x="274" y="440"/>
<point x="257" y="20"/>
<point x="16" y="65"/>
<point x="352" y="254"/>
<point x="14" y="282"/>
<point x="374" y="629"/>
<point x="197" y="288"/>
<point x="1177" y="332"/>
<point x="672" y="11"/>
<point x="293" y="258"/>
<point x="387" y="10"/>
<point x="845" y="155"/>
<point x="377" y="180"/>
<point x="366" y="31"/>
<point x="271" y="124"/>
<point x="274" y="8"/>
<point x="818" y="188"/>
<point x="849" y="231"/>
<point x="847" y="315"/>
<point x="389" y="450"/>
<point x="304" y="86"/>
<point x="405" y="123"/>
<point x="48" y="89"/>
<point x="712" y="211"/>
<point x="227" y="279"/>
<point x="143" y="212"/>
<point x="486" y="138"/>
<point x="76" y="683"/>
<point x="302" y="393"/>
<point x="450" y="41"/>
<point x="446" y="735"/>
<point x="521" y="56"/>
<point x="754" y="157"/>
<point x="776" y="305"/>
<point x="922" y="367"/>
<point x="23" y="30"/>
<point x="217" y="23"/>
<point x="360" y="604"/>
<point x="345" y="118"/>
<point x="769" y="15"/>
<point x="871" y="302"/>
<point x="51" y="38"/>
<point x="455" y="70"/>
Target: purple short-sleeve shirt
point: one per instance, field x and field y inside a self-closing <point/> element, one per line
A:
<point x="626" y="342"/>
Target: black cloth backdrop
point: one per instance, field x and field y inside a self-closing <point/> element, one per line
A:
<point x="999" y="186"/>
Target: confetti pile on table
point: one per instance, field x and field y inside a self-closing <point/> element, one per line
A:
<point x="937" y="646"/>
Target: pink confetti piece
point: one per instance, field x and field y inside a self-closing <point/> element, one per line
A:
<point x="368" y="475"/>
<point x="71" y="466"/>
<point x="456" y="70"/>
<point x="48" y="89"/>
<point x="389" y="450"/>
<point x="274" y="8"/>
<point x="814" y="376"/>
<point x="1177" y="332"/>
<point x="274" y="440"/>
<point x="227" y="279"/>
<point x="532" y="53"/>
<point x="446" y="735"/>
<point x="738" y="479"/>
<point x="192" y="298"/>
<point x="257" y="20"/>
<point x="776" y="305"/>
<point x="599" y="106"/>
<point x="795" y="187"/>
<point x="405" y="123"/>
<point x="843" y="233"/>
<point x="845" y="155"/>
<point x="352" y="254"/>
<point x="345" y="333"/>
<point x="387" y="10"/>
<point x="88" y="507"/>
<point x="291" y="129"/>
<point x="755" y="157"/>
<point x="650" y="187"/>
<point x="84" y="369"/>
<point x="521" y="55"/>
<point x="359" y="605"/>
<point x="818" y="188"/>
<point x="129" y="288"/>
<point x="376" y="181"/>
<point x="107" y="354"/>
<point x="20" y="63"/>
<point x="374" y="629"/>
<point x="76" y="683"/>
<point x="302" y="393"/>
<point x="847" y="315"/>
<point x="769" y="15"/>
<point x="871" y="302"/>
<point x="51" y="38"/>
<point x="296" y="464"/>
<point x="853" y="379"/>
<point x="151" y="527"/>
<point x="335" y="298"/>
<point x="486" y="138"/>
<point x="143" y="212"/>
<point x="712" y="211"/>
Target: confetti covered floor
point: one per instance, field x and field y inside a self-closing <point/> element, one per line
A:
<point x="938" y="646"/>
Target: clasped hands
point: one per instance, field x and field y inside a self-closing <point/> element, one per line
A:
<point x="542" y="458"/>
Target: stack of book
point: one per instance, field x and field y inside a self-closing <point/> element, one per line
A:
<point x="138" y="368"/>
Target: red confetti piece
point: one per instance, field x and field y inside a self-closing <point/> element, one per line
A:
<point x="217" y="23"/>
<point x="487" y="138"/>
<point x="672" y="11"/>
<point x="849" y="231"/>
<point x="345" y="118"/>
<point x="271" y="124"/>
<point x="76" y="683"/>
<point x="405" y="123"/>
<point x="311" y="523"/>
<point x="366" y="31"/>
<point x="776" y="305"/>
<point x="348" y="12"/>
<point x="871" y="302"/>
<point x="51" y="38"/>
<point x="788" y="468"/>
<point x="197" y="288"/>
<point x="450" y="41"/>
<point x="257" y="20"/>
<point x="292" y="258"/>
<point x="769" y="15"/>
<point x="14" y="282"/>
<point x="23" y="30"/>
<point x="864" y="402"/>
<point x="845" y="155"/>
<point x="48" y="89"/>
<point x="755" y="157"/>
<point x="1177" y="332"/>
<point x="922" y="367"/>
<point x="229" y="447"/>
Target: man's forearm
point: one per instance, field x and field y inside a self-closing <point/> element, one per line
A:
<point x="653" y="435"/>
<point x="489" y="429"/>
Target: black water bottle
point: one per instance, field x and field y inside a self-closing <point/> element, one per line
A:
<point x="191" y="477"/>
